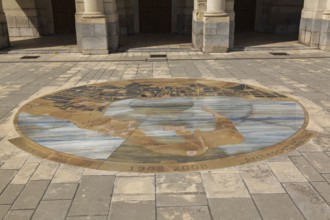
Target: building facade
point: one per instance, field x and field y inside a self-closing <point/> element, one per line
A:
<point x="213" y="24"/>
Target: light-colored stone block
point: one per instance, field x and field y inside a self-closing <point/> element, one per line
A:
<point x="262" y="182"/>
<point x="224" y="186"/>
<point x="180" y="200"/>
<point x="287" y="172"/>
<point x="67" y="174"/>
<point x="24" y="174"/>
<point x="45" y="170"/>
<point x="134" y="189"/>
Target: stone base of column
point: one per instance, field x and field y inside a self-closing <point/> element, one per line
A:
<point x="4" y="37"/>
<point x="325" y="35"/>
<point x="310" y="31"/>
<point x="92" y="33"/>
<point x="216" y="34"/>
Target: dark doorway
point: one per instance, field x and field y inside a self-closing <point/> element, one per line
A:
<point x="245" y="15"/>
<point x="64" y="16"/>
<point x="155" y="16"/>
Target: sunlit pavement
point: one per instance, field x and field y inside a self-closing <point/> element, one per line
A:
<point x="294" y="185"/>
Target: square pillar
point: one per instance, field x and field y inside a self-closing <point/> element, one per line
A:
<point x="93" y="29"/>
<point x="198" y="23"/>
<point x="216" y="29"/>
<point x="4" y="37"/>
<point x="216" y="34"/>
<point x="94" y="35"/>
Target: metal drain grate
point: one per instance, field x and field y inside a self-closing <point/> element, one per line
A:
<point x="158" y="56"/>
<point x="29" y="57"/>
<point x="279" y="54"/>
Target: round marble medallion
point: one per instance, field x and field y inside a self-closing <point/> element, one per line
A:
<point x="161" y="125"/>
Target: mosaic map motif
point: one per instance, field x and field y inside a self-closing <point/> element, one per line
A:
<point x="161" y="125"/>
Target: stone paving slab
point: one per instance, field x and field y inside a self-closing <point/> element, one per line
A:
<point x="259" y="178"/>
<point x="19" y="215"/>
<point x="277" y="206"/>
<point x="224" y="186"/>
<point x="234" y="208"/>
<point x="52" y="210"/>
<point x="93" y="196"/>
<point x="181" y="200"/>
<point x="287" y="172"/>
<point x="6" y="177"/>
<point x="178" y="213"/>
<point x="10" y="194"/>
<point x="61" y="191"/>
<point x="3" y="210"/>
<point x="293" y="185"/>
<point x="31" y="195"/>
<point x="310" y="203"/>
<point x="324" y="190"/>
<point x="133" y="210"/>
<point x="320" y="161"/>
<point x="307" y="169"/>
<point x="88" y="218"/>
<point x="134" y="189"/>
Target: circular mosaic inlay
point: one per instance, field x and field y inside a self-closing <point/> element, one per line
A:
<point x="161" y="125"/>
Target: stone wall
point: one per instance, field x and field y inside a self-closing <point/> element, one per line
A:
<point x="45" y="17"/>
<point x="80" y="8"/>
<point x="231" y="14"/>
<point x="110" y="10"/>
<point x="278" y="16"/>
<point x="22" y="18"/>
<point x="127" y="10"/>
<point x="183" y="14"/>
<point x="4" y="38"/>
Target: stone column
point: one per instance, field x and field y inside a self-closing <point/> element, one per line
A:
<point x="327" y="10"/>
<point x="216" y="27"/>
<point x="216" y="8"/>
<point x="325" y="29"/>
<point x="94" y="30"/>
<point x="4" y="37"/>
<point x="93" y="8"/>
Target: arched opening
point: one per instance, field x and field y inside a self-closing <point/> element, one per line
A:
<point x="149" y="25"/>
<point x="41" y="25"/>
<point x="245" y="15"/>
<point x="267" y="24"/>
<point x="64" y="16"/>
<point x="155" y="16"/>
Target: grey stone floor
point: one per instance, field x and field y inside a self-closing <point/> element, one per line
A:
<point x="290" y="186"/>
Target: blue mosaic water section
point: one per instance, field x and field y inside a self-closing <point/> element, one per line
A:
<point x="65" y="137"/>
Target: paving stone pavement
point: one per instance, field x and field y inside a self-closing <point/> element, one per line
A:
<point x="295" y="185"/>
